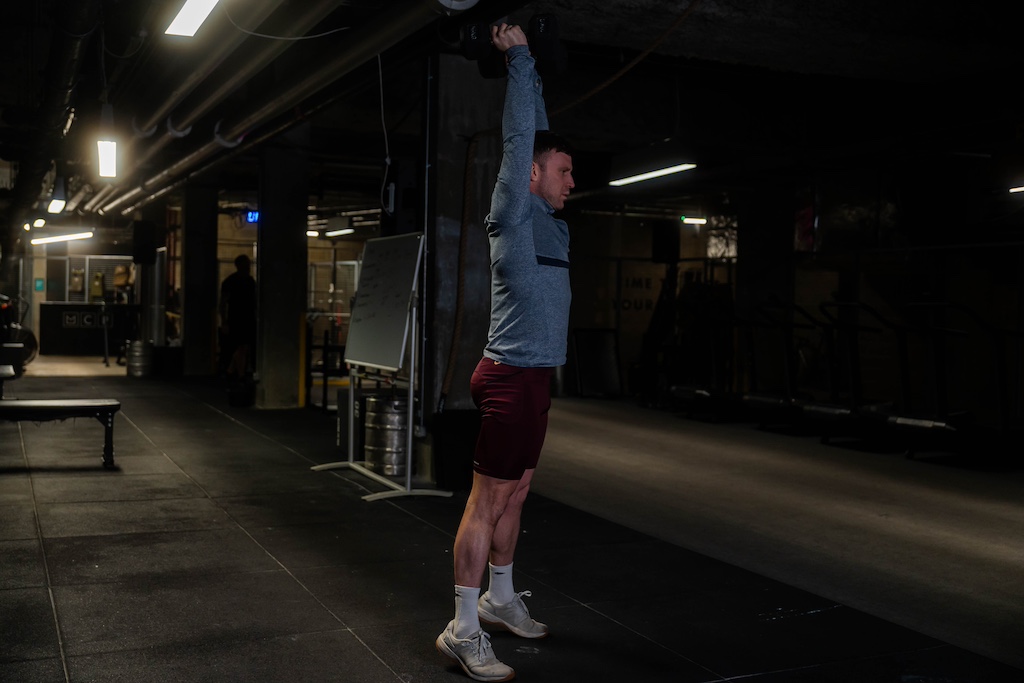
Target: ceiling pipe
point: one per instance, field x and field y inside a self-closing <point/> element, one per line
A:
<point x="76" y="22"/>
<point x="231" y="39"/>
<point x="256" y="12"/>
<point x="494" y="11"/>
<point x="264" y="135"/>
<point x="372" y="39"/>
<point x="94" y="201"/>
<point x="375" y="37"/>
<point x="77" y="198"/>
<point x="214" y="91"/>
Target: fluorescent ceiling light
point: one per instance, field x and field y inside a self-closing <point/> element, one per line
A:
<point x="652" y="174"/>
<point x="190" y="18"/>
<point x="693" y="221"/>
<point x="108" y="158"/>
<point x="339" y="233"/>
<point x="56" y="205"/>
<point x="312" y="233"/>
<point x="27" y="227"/>
<point x="63" y="238"/>
<point x="1017" y="189"/>
<point x="105" y="145"/>
<point x="39" y="222"/>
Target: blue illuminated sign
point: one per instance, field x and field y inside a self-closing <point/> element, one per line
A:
<point x="252" y="217"/>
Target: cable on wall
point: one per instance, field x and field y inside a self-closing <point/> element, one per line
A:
<point x="387" y="148"/>
<point x="272" y="37"/>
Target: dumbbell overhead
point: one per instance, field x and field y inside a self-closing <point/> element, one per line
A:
<point x="475" y="40"/>
<point x="545" y="44"/>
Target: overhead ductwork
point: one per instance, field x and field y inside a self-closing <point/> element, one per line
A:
<point x="377" y="36"/>
<point x="101" y="195"/>
<point x="213" y="91"/>
<point x="256" y="12"/>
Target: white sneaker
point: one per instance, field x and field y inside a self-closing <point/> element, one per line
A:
<point x="474" y="655"/>
<point x="514" y="616"/>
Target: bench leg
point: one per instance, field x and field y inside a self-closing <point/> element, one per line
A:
<point x="108" y="440"/>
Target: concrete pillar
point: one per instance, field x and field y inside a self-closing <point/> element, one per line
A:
<point x="282" y="268"/>
<point x="468" y="107"/>
<point x="36" y="262"/>
<point x="200" y="285"/>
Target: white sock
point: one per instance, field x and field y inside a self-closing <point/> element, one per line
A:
<point x="467" y="623"/>
<point x="501" y="589"/>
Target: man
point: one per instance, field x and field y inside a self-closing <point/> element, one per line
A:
<point x="511" y="385"/>
<point x="238" y="318"/>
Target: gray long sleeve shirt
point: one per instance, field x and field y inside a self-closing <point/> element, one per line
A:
<point x="530" y="292"/>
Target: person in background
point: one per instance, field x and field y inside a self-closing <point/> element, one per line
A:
<point x="238" y="319"/>
<point x="511" y="384"/>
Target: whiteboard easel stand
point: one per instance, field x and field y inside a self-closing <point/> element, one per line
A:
<point x="355" y="375"/>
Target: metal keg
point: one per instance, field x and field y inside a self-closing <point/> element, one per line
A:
<point x="140" y="359"/>
<point x="387" y="424"/>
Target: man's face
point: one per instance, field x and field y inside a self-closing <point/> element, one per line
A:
<point x="551" y="178"/>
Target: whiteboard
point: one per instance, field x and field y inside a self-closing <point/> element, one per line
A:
<point x="379" y="328"/>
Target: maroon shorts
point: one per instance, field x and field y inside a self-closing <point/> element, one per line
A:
<point x="513" y="405"/>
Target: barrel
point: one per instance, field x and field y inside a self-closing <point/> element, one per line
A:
<point x="140" y="359"/>
<point x="387" y="424"/>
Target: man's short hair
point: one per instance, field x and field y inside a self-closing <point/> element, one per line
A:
<point x="242" y="261"/>
<point x="545" y="141"/>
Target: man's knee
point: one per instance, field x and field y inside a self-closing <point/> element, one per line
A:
<point x="490" y="497"/>
<point x="518" y="498"/>
<point x="522" y="489"/>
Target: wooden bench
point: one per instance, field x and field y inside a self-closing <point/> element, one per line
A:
<point x="43" y="410"/>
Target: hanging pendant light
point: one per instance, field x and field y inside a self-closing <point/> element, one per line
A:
<point x="106" y="145"/>
<point x="58" y="200"/>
